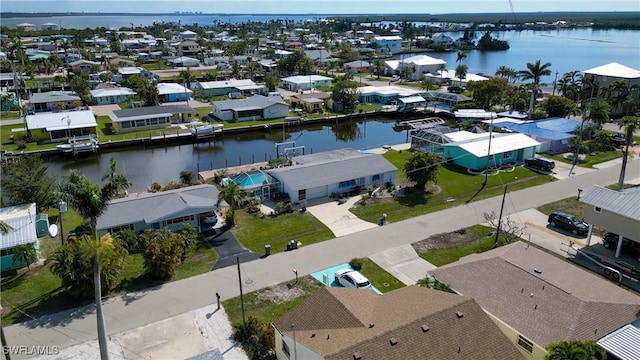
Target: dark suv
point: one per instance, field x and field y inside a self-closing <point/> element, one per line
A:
<point x="568" y="222"/>
<point x="610" y="241"/>
<point x="540" y="163"/>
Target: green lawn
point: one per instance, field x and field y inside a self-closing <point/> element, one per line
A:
<point x="455" y="187"/>
<point x="9" y="115"/>
<point x="475" y="241"/>
<point x="379" y="277"/>
<point x="39" y="292"/>
<point x="105" y="131"/>
<point x="156" y="66"/>
<point x="569" y="205"/>
<point x="268" y="305"/>
<point x="589" y="160"/>
<point x="254" y="231"/>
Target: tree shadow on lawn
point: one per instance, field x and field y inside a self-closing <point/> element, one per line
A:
<point x="414" y="198"/>
<point x="51" y="309"/>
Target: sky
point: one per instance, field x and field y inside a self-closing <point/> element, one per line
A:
<point x="316" y="6"/>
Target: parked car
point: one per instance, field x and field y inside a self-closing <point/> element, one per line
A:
<point x="395" y="78"/>
<point x="618" y="139"/>
<point x="352" y="279"/>
<point x="455" y="89"/>
<point x="610" y="241"/>
<point x="540" y="163"/>
<point x="568" y="222"/>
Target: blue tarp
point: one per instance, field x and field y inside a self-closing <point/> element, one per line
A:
<point x="552" y="129"/>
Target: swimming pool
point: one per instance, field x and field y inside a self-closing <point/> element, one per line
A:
<point x="251" y="179"/>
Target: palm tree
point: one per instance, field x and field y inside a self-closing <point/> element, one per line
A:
<point x="575" y="350"/>
<point x="534" y="72"/>
<point x="442" y="68"/>
<point x="378" y="64"/>
<point x="5" y="228"/>
<point x="462" y="54"/>
<point x="232" y="194"/>
<point x="461" y="72"/>
<point x="506" y="72"/>
<point x="90" y="201"/>
<point x="630" y="125"/>
<point x="25" y="254"/>
<point x="598" y="112"/>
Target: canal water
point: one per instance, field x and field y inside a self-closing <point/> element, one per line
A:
<point x="145" y="165"/>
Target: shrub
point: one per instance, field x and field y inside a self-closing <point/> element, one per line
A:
<point x="284" y="207"/>
<point x="257" y="339"/>
<point x="253" y="206"/>
<point x="356" y="263"/>
<point x="21" y="144"/>
<point x="129" y="240"/>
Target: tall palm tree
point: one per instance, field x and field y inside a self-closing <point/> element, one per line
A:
<point x="461" y="72"/>
<point x="462" y="54"/>
<point x="441" y="69"/>
<point x="90" y="201"/>
<point x="378" y="64"/>
<point x="506" y="72"/>
<point x="630" y="125"/>
<point x="232" y="194"/>
<point x="534" y="72"/>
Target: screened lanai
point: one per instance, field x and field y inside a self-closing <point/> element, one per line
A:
<point x="431" y="139"/>
<point x="256" y="182"/>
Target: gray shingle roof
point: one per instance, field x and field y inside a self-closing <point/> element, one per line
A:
<point x="625" y="203"/>
<point x="152" y="110"/>
<point x="152" y="207"/>
<point x="330" y="168"/>
<point x="255" y="101"/>
<point x="560" y="302"/>
<point x="340" y="320"/>
<point x="53" y="96"/>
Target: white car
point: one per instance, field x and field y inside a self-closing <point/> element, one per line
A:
<point x="352" y="279"/>
<point x="395" y="78"/>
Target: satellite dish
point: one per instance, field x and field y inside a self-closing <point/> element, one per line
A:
<point x="53" y="230"/>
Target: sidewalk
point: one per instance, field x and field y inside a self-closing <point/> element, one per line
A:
<point x="134" y="310"/>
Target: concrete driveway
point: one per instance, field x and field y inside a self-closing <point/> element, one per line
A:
<point x="337" y="217"/>
<point x="404" y="263"/>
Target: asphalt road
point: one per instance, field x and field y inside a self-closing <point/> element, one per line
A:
<point x="136" y="309"/>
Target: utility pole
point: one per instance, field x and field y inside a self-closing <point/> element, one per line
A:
<point x="486" y="170"/>
<point x="244" y="322"/>
<point x="495" y="244"/>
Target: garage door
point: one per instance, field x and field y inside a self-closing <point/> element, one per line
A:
<point x="544" y="146"/>
<point x="317" y="192"/>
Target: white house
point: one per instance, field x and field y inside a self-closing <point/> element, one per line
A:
<point x="442" y="39"/>
<point x="422" y="65"/>
<point x="112" y="95"/>
<point x="306" y="82"/>
<point x="172" y="92"/>
<point x="391" y="44"/>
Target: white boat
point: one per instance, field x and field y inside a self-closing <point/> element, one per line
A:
<point x="79" y="144"/>
<point x="206" y="130"/>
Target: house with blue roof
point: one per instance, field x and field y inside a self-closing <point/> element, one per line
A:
<point x="553" y="134"/>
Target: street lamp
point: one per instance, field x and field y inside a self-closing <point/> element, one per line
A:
<point x="62" y="208"/>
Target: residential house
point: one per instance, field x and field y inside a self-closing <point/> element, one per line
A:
<point x="232" y="86"/>
<point x="312" y="102"/>
<point x="183" y="61"/>
<point x="411" y="103"/>
<point x="554" y="134"/>
<point x="49" y="26"/>
<point x="320" y="57"/>
<point x="470" y="150"/>
<point x="86" y="65"/>
<point x="188" y="48"/>
<point x="57" y="126"/>
<point x="442" y="39"/>
<point x="615" y="211"/>
<point x="385" y="95"/>
<point x="256" y="107"/>
<point x="128" y="71"/>
<point x="8" y="79"/>
<point x="623" y="343"/>
<point x="358" y="66"/>
<point x="421" y="64"/>
<point x="26" y="27"/>
<point x="172" y="92"/>
<point x="22" y="220"/>
<point x="306" y="82"/>
<point x="188" y="35"/>
<point x="112" y="95"/>
<point x="387" y="44"/>
<point x="412" y="322"/>
<point x="537" y="298"/>
<point x="54" y="101"/>
<point x="171" y="209"/>
<point x="605" y="75"/>
<point x="150" y="117"/>
<point x="332" y="172"/>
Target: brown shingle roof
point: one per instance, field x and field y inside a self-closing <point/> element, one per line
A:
<point x="323" y="326"/>
<point x="558" y="302"/>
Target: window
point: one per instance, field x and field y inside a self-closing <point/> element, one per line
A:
<point x="302" y="194"/>
<point x="507" y="154"/>
<point x="375" y="178"/>
<point x="597" y="209"/>
<point x="179" y="220"/>
<point x="120" y="228"/>
<point x="126" y="124"/>
<point x="285" y="348"/>
<point x="140" y="123"/>
<point x="525" y="343"/>
<point x="490" y="157"/>
<point x="347" y="184"/>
